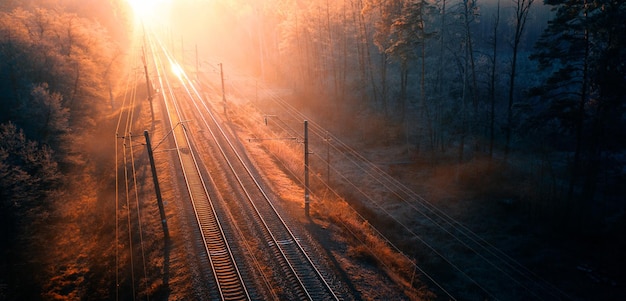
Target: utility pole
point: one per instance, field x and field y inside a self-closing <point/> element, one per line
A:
<point x="171" y="41"/>
<point x="145" y="68"/>
<point x="182" y="52"/>
<point x="306" y="168"/>
<point x="327" y="139"/>
<point x="261" y="43"/>
<point x="223" y="91"/>
<point x="156" y="186"/>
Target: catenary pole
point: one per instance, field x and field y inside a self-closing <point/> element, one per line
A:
<point x="306" y="168"/>
<point x="156" y="186"/>
<point x="149" y="89"/>
<point x="223" y="91"/>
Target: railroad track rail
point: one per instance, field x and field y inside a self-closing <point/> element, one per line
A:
<point x="298" y="269"/>
<point x="228" y="278"/>
<point x="307" y="282"/>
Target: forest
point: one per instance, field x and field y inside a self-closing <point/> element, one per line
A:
<point x="59" y="64"/>
<point x="531" y="90"/>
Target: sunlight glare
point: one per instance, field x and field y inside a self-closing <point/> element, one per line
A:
<point x="147" y="8"/>
<point x="177" y="70"/>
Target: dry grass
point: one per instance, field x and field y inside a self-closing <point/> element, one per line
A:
<point x="368" y="246"/>
<point x="80" y="251"/>
<point x="281" y="163"/>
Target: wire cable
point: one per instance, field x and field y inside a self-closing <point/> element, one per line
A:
<point x="394" y="185"/>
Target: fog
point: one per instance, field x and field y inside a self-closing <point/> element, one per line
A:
<point x="526" y="118"/>
<point x="219" y="30"/>
<point x="459" y="82"/>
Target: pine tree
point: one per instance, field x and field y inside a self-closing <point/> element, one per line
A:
<point x="585" y="48"/>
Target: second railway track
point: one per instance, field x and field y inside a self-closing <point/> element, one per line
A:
<point x="302" y="278"/>
<point x="229" y="282"/>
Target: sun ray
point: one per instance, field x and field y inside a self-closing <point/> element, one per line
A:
<point x="144" y="9"/>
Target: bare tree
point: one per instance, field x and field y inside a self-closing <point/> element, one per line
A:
<point x="492" y="80"/>
<point x="522" y="7"/>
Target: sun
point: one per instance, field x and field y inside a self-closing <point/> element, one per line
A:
<point x="147" y="8"/>
<point x="140" y="7"/>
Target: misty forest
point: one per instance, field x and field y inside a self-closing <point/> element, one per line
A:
<point x="518" y="103"/>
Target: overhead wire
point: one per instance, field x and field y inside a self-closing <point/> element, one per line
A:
<point x="509" y="262"/>
<point x="139" y="220"/>
<point x="380" y="234"/>
<point x="382" y="175"/>
<point x="287" y="129"/>
<point x="130" y="182"/>
<point x="439" y="218"/>
<point x="128" y="188"/>
<point x="378" y="205"/>
<point x="130" y="238"/>
<point x="117" y="137"/>
<point x="457" y="226"/>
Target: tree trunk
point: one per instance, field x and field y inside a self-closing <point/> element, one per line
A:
<point x="425" y="108"/>
<point x="580" y="120"/>
<point x="404" y="75"/>
<point x="521" y="14"/>
<point x="439" y="88"/>
<point x="492" y="86"/>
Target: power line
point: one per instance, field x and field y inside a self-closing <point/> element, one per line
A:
<point x="416" y="267"/>
<point x="117" y="255"/>
<point x="393" y="185"/>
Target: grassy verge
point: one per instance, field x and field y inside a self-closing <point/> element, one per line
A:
<point x="281" y="163"/>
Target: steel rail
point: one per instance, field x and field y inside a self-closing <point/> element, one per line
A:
<point x="228" y="278"/>
<point x="312" y="284"/>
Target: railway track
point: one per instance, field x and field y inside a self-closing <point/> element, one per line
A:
<point x="298" y="270"/>
<point x="229" y="281"/>
<point x="128" y="221"/>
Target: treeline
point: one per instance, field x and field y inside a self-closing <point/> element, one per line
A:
<point x="58" y="67"/>
<point x="533" y="88"/>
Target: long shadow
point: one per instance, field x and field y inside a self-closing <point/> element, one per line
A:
<point x="314" y="228"/>
<point x="164" y="291"/>
<point x="166" y="263"/>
